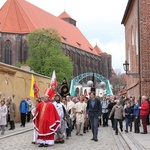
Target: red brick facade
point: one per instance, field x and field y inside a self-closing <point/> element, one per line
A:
<point x="83" y="61"/>
<point x="137" y="35"/>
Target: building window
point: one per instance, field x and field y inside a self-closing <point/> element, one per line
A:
<point x="78" y="59"/>
<point x="129" y="57"/>
<point x="91" y="48"/>
<point x="8" y="52"/>
<point x="65" y="39"/>
<point x="25" y="49"/>
<point x="79" y="44"/>
<point x="132" y="36"/>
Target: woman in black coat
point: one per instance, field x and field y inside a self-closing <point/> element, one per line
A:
<point x="110" y="106"/>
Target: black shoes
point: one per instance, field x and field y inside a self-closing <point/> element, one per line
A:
<point x="94" y="139"/>
<point x="11" y="129"/>
<point x="126" y="131"/>
<point x="43" y="145"/>
<point x="22" y="125"/>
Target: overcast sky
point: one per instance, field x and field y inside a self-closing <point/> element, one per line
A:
<point x="98" y="20"/>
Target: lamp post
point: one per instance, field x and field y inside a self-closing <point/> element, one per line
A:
<point x="134" y="75"/>
<point x="126" y="69"/>
<point x="126" y="66"/>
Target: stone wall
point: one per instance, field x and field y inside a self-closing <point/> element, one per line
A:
<point x="15" y="82"/>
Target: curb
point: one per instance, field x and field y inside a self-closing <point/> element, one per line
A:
<point x="16" y="133"/>
<point x="131" y="142"/>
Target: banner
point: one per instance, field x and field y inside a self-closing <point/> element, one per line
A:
<point x="32" y="86"/>
<point x="36" y="90"/>
<point x="53" y="80"/>
<point x="64" y="88"/>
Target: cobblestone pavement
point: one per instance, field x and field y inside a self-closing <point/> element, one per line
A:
<point x="107" y="140"/>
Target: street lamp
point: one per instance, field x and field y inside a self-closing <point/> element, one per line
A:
<point x="126" y="69"/>
<point x="126" y="66"/>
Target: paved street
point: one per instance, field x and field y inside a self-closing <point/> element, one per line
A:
<point x="107" y="141"/>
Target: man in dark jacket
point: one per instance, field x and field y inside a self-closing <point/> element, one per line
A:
<point x="110" y="106"/>
<point x="94" y="111"/>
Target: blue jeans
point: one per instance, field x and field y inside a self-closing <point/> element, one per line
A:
<point x="94" y="124"/>
<point x="129" y="123"/>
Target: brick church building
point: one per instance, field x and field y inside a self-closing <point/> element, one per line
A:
<point x="136" y="20"/>
<point x="19" y="17"/>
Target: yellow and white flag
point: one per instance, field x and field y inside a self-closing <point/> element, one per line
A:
<point x="32" y="86"/>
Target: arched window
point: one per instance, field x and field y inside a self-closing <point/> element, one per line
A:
<point x="25" y="50"/>
<point x="132" y="36"/>
<point x="129" y="57"/>
<point x="8" y="52"/>
<point x="137" y="47"/>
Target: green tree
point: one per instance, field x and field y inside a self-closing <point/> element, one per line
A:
<point x="46" y="55"/>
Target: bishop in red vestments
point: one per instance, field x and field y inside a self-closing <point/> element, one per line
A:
<point x="46" y="121"/>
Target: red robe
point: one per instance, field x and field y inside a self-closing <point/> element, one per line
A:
<point x="46" y="121"/>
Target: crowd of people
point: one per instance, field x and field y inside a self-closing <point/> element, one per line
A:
<point x="83" y="114"/>
<point x="55" y="119"/>
<point x="8" y="113"/>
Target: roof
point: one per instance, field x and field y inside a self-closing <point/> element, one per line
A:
<point x="22" y="17"/>
<point x="98" y="50"/>
<point x="64" y="15"/>
<point x="126" y="11"/>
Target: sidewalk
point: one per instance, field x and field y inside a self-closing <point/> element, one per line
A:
<point x="134" y="141"/>
<point x="137" y="141"/>
<point x="17" y="130"/>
